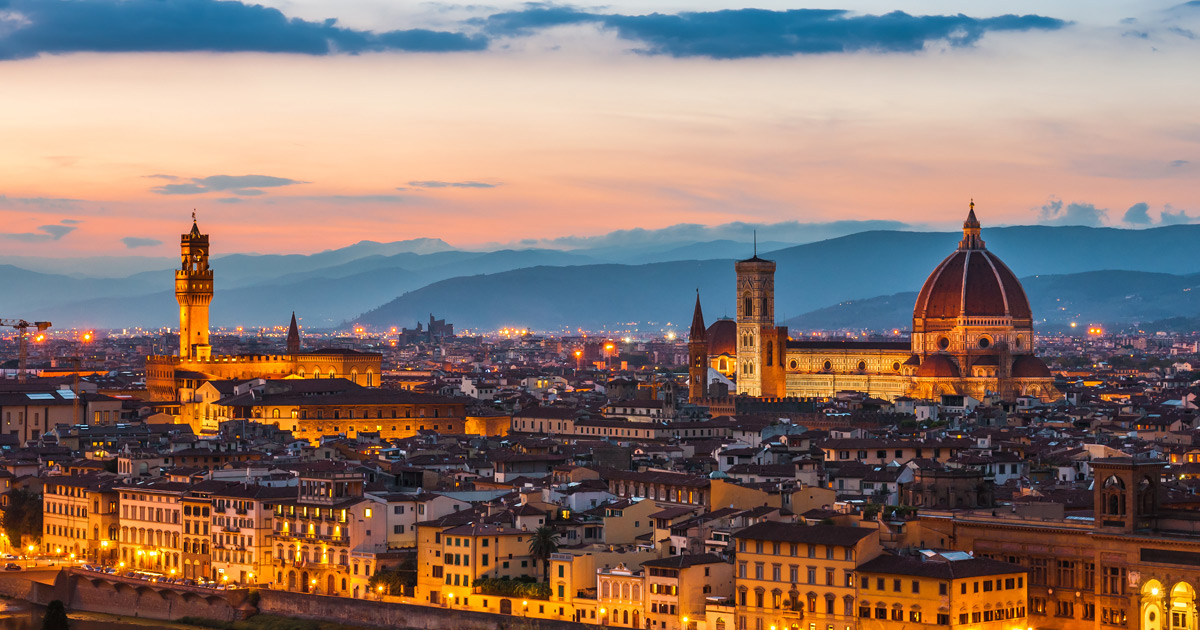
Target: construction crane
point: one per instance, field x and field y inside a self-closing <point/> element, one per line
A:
<point x="21" y="325"/>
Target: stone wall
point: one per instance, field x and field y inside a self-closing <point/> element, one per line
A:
<point x="142" y="600"/>
<point x="398" y="616"/>
<point x="18" y="587"/>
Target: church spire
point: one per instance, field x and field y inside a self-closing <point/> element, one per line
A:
<point x="293" y="338"/>
<point x="699" y="332"/>
<point x="195" y="228"/>
<point x="971" y="229"/>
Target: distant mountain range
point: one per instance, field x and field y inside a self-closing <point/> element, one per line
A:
<point x="1092" y="297"/>
<point x="393" y="284"/>
<point x="808" y="277"/>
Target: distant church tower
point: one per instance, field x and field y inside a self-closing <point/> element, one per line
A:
<point x="697" y="356"/>
<point x="761" y="347"/>
<point x="194" y="291"/>
<point x="293" y="340"/>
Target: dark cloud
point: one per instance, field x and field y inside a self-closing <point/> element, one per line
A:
<point x="242" y="185"/>
<point x="44" y="203"/>
<point x="134" y="242"/>
<point x="51" y="232"/>
<point x="1056" y="213"/>
<point x="437" y="184"/>
<point x="739" y="33"/>
<point x="1137" y="214"/>
<point x="67" y="26"/>
<point x="1168" y="217"/>
<point x="1179" y="163"/>
<point x="36" y="27"/>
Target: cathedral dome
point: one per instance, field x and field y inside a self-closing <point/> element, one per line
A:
<point x="972" y="282"/>
<point x="1029" y="366"/>
<point x="722" y="337"/>
<point x="938" y="366"/>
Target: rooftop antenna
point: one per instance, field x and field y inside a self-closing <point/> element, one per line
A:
<point x="756" y="243"/>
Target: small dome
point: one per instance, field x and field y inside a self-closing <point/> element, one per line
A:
<point x="1029" y="366"/>
<point x="722" y="337"/>
<point x="938" y="366"/>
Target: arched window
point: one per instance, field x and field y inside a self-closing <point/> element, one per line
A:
<point x="275" y="413"/>
<point x="770" y="352"/>
<point x="747" y="306"/>
<point x="765" y="307"/>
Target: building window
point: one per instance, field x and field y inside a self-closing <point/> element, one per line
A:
<point x="1114" y="581"/>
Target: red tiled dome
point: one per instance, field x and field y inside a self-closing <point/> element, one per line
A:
<point x="722" y="337"/>
<point x="972" y="282"/>
<point x="1029" y="366"/>
<point x="938" y="366"/>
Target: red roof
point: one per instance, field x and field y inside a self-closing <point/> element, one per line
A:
<point x="1029" y="366"/>
<point x="972" y="282"/>
<point x="722" y="337"/>
<point x="938" y="366"/>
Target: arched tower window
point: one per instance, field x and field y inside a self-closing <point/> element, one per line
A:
<point x="747" y="305"/>
<point x="770" y="353"/>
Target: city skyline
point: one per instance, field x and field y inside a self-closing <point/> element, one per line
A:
<point x="517" y="123"/>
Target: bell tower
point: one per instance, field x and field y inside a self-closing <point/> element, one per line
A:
<point x="760" y="347"/>
<point x="1127" y="492"/>
<point x="698" y="356"/>
<point x="194" y="292"/>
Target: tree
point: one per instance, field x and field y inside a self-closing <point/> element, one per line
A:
<point x="56" y="617"/>
<point x="543" y="543"/>
<point x="398" y="581"/>
<point x="23" y="518"/>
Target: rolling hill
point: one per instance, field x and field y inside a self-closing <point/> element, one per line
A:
<point x="396" y="283"/>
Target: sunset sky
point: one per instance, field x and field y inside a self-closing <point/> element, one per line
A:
<point x="505" y="122"/>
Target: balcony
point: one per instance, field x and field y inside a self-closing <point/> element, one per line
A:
<point x="313" y="538"/>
